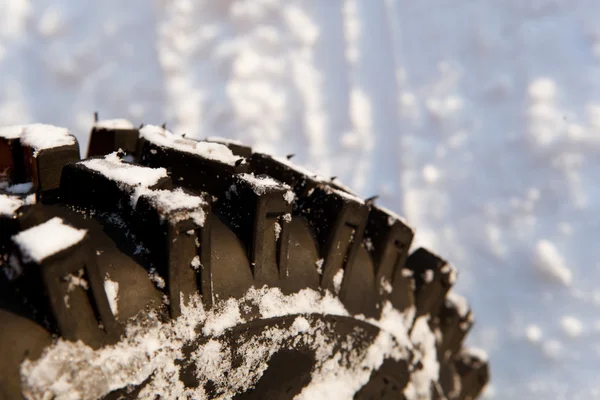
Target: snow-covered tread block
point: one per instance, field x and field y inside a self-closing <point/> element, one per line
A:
<point x="259" y="210"/>
<point x="104" y="182"/>
<point x="112" y="135"/>
<point x="282" y="169"/>
<point x="38" y="153"/>
<point x="472" y="367"/>
<point x="173" y="226"/>
<point x="388" y="240"/>
<point x="433" y="279"/>
<point x="339" y="220"/>
<point x="56" y="267"/>
<point x="201" y="166"/>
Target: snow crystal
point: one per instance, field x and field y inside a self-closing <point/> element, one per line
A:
<point x="337" y="280"/>
<point x="572" y="326"/>
<point x="112" y="293"/>
<point x="157" y="279"/>
<point x="41" y="136"/>
<point x="319" y="264"/>
<point x="74" y="281"/>
<point x="44" y="240"/>
<point x="289" y="196"/>
<point x="118" y="123"/>
<point x="551" y="263"/>
<point x="533" y="333"/>
<point x="210" y="150"/>
<point x="116" y="170"/>
<point x="196" y="264"/>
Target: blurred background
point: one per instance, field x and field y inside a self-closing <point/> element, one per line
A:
<point x="479" y="121"/>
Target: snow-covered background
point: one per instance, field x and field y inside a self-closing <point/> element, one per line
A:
<point x="477" y="120"/>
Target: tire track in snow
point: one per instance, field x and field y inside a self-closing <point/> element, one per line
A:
<point x="373" y="97"/>
<point x="330" y="60"/>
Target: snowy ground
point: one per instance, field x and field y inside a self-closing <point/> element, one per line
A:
<point x="477" y="120"/>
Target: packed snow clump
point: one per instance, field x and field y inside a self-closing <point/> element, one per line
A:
<point x="113" y="168"/>
<point x="42" y="241"/>
<point x="42" y="136"/>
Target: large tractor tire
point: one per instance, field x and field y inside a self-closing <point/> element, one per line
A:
<point x="164" y="267"/>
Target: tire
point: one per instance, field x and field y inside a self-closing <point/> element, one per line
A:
<point x="162" y="267"/>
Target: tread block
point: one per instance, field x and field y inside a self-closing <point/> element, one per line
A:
<point x="44" y="167"/>
<point x="433" y="278"/>
<point x="339" y="220"/>
<point x="108" y="184"/>
<point x="454" y="323"/>
<point x="65" y="289"/>
<point x="474" y="374"/>
<point x="301" y="181"/>
<point x="388" y="240"/>
<point x="112" y="135"/>
<point x="200" y="166"/>
<point x="171" y="230"/>
<point x="12" y="166"/>
<point x="259" y="210"/>
<point x="303" y="251"/>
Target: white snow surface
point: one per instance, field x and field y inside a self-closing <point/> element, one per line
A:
<point x="479" y="121"/>
<point x="44" y="240"/>
<point x="43" y="136"/>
